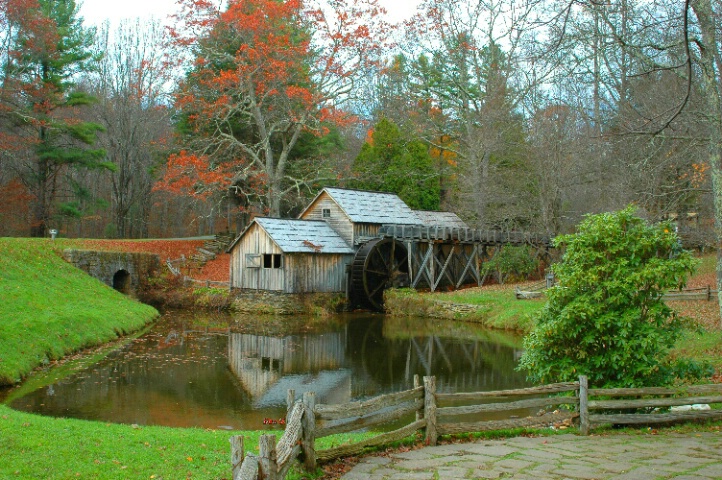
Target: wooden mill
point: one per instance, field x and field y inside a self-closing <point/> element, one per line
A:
<point x="362" y="243"/>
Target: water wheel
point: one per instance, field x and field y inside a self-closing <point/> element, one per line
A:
<point x="379" y="264"/>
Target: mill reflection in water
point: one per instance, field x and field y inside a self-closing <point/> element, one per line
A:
<point x="234" y="373"/>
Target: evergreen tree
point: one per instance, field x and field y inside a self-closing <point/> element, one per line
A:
<point x="391" y="162"/>
<point x="41" y="101"/>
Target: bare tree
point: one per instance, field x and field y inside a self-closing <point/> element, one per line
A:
<point x="131" y="87"/>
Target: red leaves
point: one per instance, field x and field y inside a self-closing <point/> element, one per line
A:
<point x="165" y="249"/>
<point x="193" y="175"/>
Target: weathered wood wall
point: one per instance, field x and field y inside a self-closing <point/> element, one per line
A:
<point x="316" y="272"/>
<point x="300" y="272"/>
<point x="338" y="220"/>
<point x="255" y="241"/>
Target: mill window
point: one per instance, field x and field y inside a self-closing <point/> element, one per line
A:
<point x="272" y="260"/>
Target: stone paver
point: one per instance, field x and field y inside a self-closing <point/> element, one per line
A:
<point x="696" y="456"/>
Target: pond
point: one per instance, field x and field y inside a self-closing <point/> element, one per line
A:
<point x="225" y="372"/>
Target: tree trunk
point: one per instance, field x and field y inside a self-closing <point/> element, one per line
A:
<point x="710" y="86"/>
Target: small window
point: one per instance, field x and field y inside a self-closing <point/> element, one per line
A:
<point x="272" y="260"/>
<point x="253" y="260"/>
<point x="326" y="213"/>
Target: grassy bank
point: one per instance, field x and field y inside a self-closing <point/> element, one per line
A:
<point x="492" y="306"/>
<point x="50" y="309"/>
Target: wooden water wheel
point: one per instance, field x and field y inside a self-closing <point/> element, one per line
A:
<point x="379" y="264"/>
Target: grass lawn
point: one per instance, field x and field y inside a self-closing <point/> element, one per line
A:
<point x="50" y="309"/>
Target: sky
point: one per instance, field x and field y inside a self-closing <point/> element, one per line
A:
<point x="95" y="12"/>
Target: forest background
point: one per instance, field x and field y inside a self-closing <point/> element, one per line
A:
<point x="515" y="114"/>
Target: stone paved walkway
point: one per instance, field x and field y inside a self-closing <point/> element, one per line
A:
<point x="695" y="456"/>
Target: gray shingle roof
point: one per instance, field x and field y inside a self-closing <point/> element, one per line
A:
<point x="441" y="219"/>
<point x="304" y="236"/>
<point x="373" y="207"/>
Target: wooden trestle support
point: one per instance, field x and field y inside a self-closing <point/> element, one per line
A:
<point x="435" y="258"/>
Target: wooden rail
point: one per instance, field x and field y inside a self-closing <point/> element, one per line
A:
<point x="453" y="413"/>
<point x="701" y="293"/>
<point x="463" y="235"/>
<point x="646" y="406"/>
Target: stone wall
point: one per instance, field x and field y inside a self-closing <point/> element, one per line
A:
<point x="126" y="272"/>
<point x="278" y="303"/>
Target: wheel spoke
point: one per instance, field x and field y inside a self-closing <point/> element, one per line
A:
<point x="378" y="272"/>
<point x="384" y="262"/>
<point x="373" y="293"/>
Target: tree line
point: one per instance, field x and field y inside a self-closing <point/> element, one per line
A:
<point x="515" y="114"/>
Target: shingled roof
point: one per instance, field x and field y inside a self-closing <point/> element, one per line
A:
<point x="373" y="207"/>
<point x="303" y="236"/>
<point x="441" y="219"/>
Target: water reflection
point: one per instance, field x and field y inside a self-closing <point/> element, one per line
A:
<point x="221" y="372"/>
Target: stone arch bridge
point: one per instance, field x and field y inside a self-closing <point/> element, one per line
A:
<point x="124" y="271"/>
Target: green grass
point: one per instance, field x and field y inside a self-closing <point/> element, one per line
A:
<point x="51" y="309"/>
<point x="495" y="308"/>
<point x="34" y="446"/>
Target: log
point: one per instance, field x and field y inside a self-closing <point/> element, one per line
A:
<point x="506" y="406"/>
<point x="352" y="449"/>
<point x="654" y="418"/>
<point x="430" y="410"/>
<point x="369" y="421"/>
<point x="237" y="456"/>
<point x="249" y="469"/>
<point x="584" y="405"/>
<point x="650" y="402"/>
<point x="475" y="396"/>
<point x="284" y="468"/>
<point x="637" y="392"/>
<point x="529" y="422"/>
<point x="267" y="463"/>
<point x="291" y="436"/>
<point x="358" y="409"/>
<point x="308" y="439"/>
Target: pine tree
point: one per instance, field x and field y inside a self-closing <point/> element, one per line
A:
<point x="42" y="103"/>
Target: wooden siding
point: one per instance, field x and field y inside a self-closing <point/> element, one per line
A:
<point x="300" y="272"/>
<point x="338" y="220"/>
<point x="315" y="272"/>
<point x="364" y="230"/>
<point x="256" y="241"/>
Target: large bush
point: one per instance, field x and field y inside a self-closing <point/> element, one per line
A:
<point x="606" y="318"/>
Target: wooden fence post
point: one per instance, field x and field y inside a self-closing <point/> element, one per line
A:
<point x="308" y="436"/>
<point x="290" y="400"/>
<point x="268" y="465"/>
<point x="584" y="405"/>
<point x="430" y="409"/>
<point x="236" y="456"/>
<point x="417" y="384"/>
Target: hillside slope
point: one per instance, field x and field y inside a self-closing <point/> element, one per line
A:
<point x="49" y="309"/>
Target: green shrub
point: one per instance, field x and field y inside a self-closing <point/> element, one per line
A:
<point x="606" y="318"/>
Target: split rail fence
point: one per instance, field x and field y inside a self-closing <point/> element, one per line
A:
<point x="453" y="413"/>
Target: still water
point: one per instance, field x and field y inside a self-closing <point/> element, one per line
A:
<point x="196" y="370"/>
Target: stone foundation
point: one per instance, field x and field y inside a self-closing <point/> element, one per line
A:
<point x="277" y="303"/>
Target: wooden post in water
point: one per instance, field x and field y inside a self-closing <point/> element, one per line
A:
<point x="430" y="409"/>
<point x="583" y="405"/>
<point x="268" y="465"/>
<point x="308" y="438"/>
<point x="236" y="456"/>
